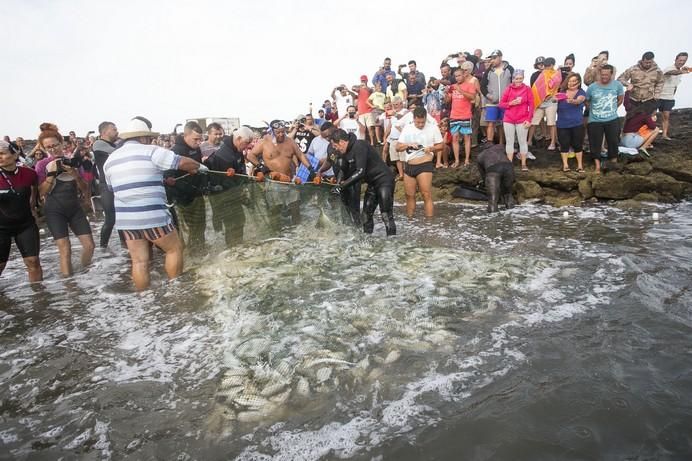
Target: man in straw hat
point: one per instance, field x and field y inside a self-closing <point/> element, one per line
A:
<point x="134" y="173"/>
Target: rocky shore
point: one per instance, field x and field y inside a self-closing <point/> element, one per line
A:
<point x="665" y="177"/>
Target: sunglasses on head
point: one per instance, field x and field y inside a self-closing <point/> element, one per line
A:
<point x="277" y="125"/>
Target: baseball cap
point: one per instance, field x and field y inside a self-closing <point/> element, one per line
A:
<point x="363" y="78"/>
<point x="494" y="53"/>
<point x="539" y="60"/>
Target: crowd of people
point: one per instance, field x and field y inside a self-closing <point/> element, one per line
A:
<point x="403" y="127"/>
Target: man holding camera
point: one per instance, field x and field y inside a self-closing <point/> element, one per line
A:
<point x="413" y="70"/>
<point x="414" y="91"/>
<point x="381" y="75"/>
<point x="304" y="131"/>
<point x="350" y="123"/>
<point x="343" y="98"/>
<point x="592" y="73"/>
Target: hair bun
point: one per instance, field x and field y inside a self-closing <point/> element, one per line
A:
<point x="47" y="126"/>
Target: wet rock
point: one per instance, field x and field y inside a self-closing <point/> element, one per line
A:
<point x="638" y="168"/>
<point x="563" y="200"/>
<point x="676" y="166"/>
<point x="620" y="187"/>
<point x="646" y="197"/>
<point x="585" y="189"/>
<point x="561" y="181"/>
<point x="629" y="204"/>
<point x="526" y="190"/>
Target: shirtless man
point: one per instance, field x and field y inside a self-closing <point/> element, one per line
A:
<point x="279" y="154"/>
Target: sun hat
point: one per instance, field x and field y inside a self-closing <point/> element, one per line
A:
<point x="138" y="127"/>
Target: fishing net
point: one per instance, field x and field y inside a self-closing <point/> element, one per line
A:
<point x="223" y="212"/>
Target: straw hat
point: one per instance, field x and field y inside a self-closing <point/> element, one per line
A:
<point x="138" y="127"/>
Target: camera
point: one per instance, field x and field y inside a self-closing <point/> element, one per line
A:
<point x="74" y="162"/>
<point x="351" y="115"/>
<point x="8" y="194"/>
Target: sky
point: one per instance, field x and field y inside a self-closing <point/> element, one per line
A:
<point x="76" y="62"/>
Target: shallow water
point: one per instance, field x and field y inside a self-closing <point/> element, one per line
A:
<point x="524" y="335"/>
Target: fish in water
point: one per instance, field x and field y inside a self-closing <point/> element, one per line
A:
<point x="323" y="221"/>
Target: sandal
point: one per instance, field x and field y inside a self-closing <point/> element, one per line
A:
<point x="524" y="169"/>
<point x="580" y="170"/>
<point x="566" y="170"/>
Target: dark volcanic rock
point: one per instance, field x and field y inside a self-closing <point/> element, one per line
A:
<point x="666" y="176"/>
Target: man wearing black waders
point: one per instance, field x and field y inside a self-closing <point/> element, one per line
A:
<point x="364" y="163"/>
<point x="498" y="173"/>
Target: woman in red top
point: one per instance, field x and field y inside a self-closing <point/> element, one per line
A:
<point x="639" y="130"/>
<point x="17" y="203"/>
<point x="461" y="95"/>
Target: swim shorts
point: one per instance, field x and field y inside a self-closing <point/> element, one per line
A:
<point x="462" y="127"/>
<point x="26" y="238"/>
<point x="150" y="235"/>
<point x="415" y="170"/>
<point x="493" y="114"/>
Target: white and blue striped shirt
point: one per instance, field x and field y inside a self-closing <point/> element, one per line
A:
<point x="134" y="173"/>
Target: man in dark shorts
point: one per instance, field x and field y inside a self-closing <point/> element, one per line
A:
<point x="497" y="172"/>
<point x="671" y="80"/>
<point x="108" y="134"/>
<point x="366" y="165"/>
<point x="18" y="192"/>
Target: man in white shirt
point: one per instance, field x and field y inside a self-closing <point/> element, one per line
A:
<point x="344" y="98"/>
<point x="671" y="80"/>
<point x="421" y="140"/>
<point x="350" y="124"/>
<point x="391" y="135"/>
<point x="319" y="147"/>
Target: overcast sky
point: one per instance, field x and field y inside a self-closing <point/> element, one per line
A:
<point x="77" y="63"/>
